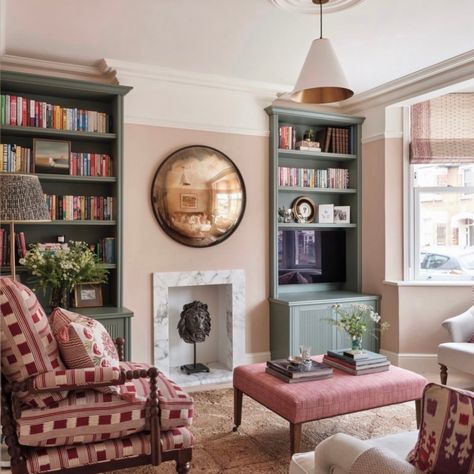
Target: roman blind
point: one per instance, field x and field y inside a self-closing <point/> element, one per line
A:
<point x="442" y="130"/>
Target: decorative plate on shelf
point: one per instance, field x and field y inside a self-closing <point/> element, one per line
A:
<point x="303" y="209"/>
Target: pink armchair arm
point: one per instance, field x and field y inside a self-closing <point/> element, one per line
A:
<point x="75" y="379"/>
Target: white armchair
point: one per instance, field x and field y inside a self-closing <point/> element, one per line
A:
<point x="458" y="354"/>
<point x="343" y="454"/>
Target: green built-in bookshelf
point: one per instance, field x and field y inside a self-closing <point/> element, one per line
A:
<point x="89" y="117"/>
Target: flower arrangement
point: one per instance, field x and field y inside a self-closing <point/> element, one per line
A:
<point x="356" y="322"/>
<point x="62" y="267"/>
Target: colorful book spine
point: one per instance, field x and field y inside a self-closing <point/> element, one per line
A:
<point x="71" y="208"/>
<point x="22" y="111"/>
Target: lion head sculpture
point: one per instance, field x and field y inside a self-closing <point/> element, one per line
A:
<point x="195" y="322"/>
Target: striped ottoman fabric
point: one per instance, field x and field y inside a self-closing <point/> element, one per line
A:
<point x="88" y="416"/>
<point x="28" y="345"/>
<point x="64" y="457"/>
<point x="343" y="393"/>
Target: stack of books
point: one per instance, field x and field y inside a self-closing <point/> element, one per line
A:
<point x="357" y="362"/>
<point x="291" y="373"/>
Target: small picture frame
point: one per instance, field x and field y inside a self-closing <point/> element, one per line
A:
<point x="188" y="200"/>
<point x="326" y="213"/>
<point x="51" y="156"/>
<point x="342" y="214"/>
<point x="88" y="295"/>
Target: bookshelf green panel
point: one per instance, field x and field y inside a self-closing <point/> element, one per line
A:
<point x="298" y="311"/>
<point x="87" y="96"/>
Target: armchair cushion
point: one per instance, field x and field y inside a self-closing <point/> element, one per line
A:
<point x="88" y="416"/>
<point x="445" y="441"/>
<point x="83" y="342"/>
<point x="64" y="457"/>
<point x="457" y="354"/>
<point x="28" y="345"/>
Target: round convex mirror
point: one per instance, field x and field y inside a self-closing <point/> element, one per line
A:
<point x="198" y="196"/>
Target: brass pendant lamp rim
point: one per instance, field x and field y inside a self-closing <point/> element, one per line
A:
<point x="320" y="2"/>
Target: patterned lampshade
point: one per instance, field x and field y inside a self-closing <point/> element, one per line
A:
<point x="21" y="199"/>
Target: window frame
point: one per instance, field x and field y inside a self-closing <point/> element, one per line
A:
<point x="411" y="212"/>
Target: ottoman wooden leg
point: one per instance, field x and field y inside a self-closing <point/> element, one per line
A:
<point x="183" y="463"/>
<point x="443" y="374"/>
<point x="418" y="412"/>
<point x="295" y="437"/>
<point x="238" y="396"/>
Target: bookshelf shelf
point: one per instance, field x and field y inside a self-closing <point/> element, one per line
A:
<point x="103" y="104"/>
<point x="55" y="133"/>
<point x="65" y="223"/>
<point x="314" y="265"/>
<point x="296" y="225"/>
<point x="77" y="179"/>
<point x="300" y="189"/>
<point x="315" y="154"/>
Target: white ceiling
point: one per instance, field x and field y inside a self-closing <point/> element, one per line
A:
<point x="376" y="40"/>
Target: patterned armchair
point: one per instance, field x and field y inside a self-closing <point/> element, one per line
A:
<point x="84" y="420"/>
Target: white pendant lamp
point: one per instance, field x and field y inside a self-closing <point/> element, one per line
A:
<point x="322" y="79"/>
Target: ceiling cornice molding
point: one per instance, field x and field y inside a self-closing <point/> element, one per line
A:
<point x="56" y="68"/>
<point x="382" y="136"/>
<point x="454" y="70"/>
<point x="261" y="89"/>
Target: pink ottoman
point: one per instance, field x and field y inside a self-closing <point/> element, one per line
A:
<point x="309" y="401"/>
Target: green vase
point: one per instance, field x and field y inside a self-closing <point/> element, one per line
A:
<point x="356" y="343"/>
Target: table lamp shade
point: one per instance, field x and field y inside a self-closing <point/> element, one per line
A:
<point x="22" y="199"/>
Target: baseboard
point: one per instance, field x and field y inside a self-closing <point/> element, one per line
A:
<point x="257" y="357"/>
<point x="419" y="363"/>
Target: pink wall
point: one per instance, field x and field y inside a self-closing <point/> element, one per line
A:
<point x="148" y="249"/>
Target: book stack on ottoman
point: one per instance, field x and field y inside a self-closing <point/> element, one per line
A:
<point x="293" y="373"/>
<point x="357" y="362"/>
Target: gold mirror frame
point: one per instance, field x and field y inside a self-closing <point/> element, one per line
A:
<point x="198" y="196"/>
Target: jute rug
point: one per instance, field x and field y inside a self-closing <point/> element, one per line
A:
<point x="262" y="443"/>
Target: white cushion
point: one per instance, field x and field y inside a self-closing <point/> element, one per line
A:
<point x="400" y="444"/>
<point x="459" y="355"/>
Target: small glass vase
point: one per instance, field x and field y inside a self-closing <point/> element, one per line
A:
<point x="356" y="343"/>
<point x="60" y="297"/>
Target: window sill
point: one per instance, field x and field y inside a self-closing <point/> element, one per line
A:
<point x="429" y="283"/>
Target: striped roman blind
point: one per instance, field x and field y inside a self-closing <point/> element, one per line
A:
<point x="442" y="130"/>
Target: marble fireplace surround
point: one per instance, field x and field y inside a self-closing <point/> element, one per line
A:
<point x="234" y="304"/>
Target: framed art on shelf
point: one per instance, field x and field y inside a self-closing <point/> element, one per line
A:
<point x="342" y="214"/>
<point x="51" y="156"/>
<point x="326" y="213"/>
<point x="87" y="295"/>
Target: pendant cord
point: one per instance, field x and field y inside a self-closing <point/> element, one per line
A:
<point x="321" y="20"/>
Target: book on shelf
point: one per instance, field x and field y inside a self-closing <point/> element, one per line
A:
<point x="287" y="137"/>
<point x="371" y="357"/>
<point x="22" y="111"/>
<point x="335" y="140"/>
<point x="307" y="145"/>
<point x="283" y="366"/>
<point x="353" y="369"/>
<point x="90" y="164"/>
<point x="334" y="178"/>
<point x="15" y="158"/>
<point x="288" y="379"/>
<point x="72" y="208"/>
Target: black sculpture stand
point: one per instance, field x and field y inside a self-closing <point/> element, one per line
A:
<point x="195" y="367"/>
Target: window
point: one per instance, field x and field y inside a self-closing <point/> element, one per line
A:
<point x="442" y="189"/>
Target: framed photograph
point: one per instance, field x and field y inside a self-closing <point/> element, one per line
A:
<point x="189" y="200"/>
<point x="342" y="214"/>
<point x="87" y="295"/>
<point x="51" y="156"/>
<point x="326" y="213"/>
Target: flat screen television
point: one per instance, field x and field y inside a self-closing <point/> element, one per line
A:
<point x="311" y="256"/>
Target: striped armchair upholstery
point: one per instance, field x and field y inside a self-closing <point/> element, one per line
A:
<point x="55" y="419"/>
